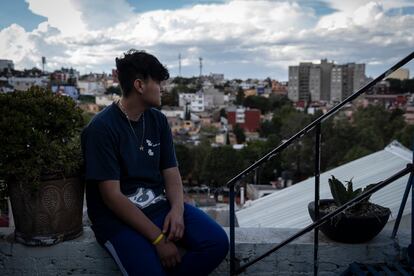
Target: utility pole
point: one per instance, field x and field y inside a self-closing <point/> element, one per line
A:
<point x="43" y="64"/>
<point x="179" y="64"/>
<point x="201" y="66"/>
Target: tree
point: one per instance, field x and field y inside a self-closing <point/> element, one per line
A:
<point x="278" y="101"/>
<point x="170" y="98"/>
<point x="239" y="132"/>
<point x="356" y="152"/>
<point x="337" y="138"/>
<point x="376" y="126"/>
<point x="185" y="160"/>
<point x="267" y="173"/>
<point x="113" y="90"/>
<point x="370" y="130"/>
<point x="223" y="113"/>
<point x="257" y="102"/>
<point x="394" y="85"/>
<point x="267" y="128"/>
<point x="220" y="165"/>
<point x="239" y="97"/>
<point x="408" y="86"/>
<point x="406" y="136"/>
<point x="199" y="154"/>
<point x="292" y="122"/>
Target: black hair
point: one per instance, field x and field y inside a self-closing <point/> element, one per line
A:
<point x="138" y="64"/>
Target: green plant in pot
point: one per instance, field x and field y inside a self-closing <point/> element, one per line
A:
<point x="40" y="162"/>
<point x="359" y="223"/>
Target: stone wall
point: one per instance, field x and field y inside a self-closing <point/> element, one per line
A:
<point x="83" y="256"/>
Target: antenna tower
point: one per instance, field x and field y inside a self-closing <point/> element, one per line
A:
<point x="201" y="65"/>
<point x="179" y="64"/>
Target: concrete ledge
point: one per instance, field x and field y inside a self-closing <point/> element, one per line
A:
<point x="83" y="256"/>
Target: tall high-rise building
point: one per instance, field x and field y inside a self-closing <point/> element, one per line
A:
<point x="346" y="79"/>
<point x="326" y="69"/>
<point x="293" y="84"/>
<point x="6" y="64"/>
<point x="300" y="81"/>
<point x="325" y="81"/>
<point x="315" y="83"/>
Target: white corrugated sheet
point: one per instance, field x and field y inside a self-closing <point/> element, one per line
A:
<point x="287" y="208"/>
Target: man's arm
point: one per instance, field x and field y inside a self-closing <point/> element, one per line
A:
<point x="133" y="216"/>
<point x="174" y="221"/>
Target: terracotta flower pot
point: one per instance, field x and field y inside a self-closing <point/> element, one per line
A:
<point x="51" y="214"/>
<point x="351" y="228"/>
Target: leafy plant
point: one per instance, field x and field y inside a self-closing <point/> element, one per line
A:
<point x="39" y="136"/>
<point x="342" y="194"/>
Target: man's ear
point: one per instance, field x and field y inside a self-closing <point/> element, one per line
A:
<point x="139" y="86"/>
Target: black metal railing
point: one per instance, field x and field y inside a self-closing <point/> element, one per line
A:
<point x="316" y="124"/>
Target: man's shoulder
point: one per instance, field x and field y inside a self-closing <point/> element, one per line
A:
<point x="156" y="112"/>
<point x="102" y="120"/>
<point x="158" y="116"/>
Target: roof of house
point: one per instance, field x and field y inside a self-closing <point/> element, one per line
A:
<point x="287" y="208"/>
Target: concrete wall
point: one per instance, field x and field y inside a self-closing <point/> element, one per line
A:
<point x="83" y="256"/>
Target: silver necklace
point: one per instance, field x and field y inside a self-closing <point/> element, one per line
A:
<point x="141" y="148"/>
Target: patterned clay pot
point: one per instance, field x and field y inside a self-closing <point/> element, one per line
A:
<point x="49" y="215"/>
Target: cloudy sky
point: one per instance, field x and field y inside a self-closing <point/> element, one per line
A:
<point x="240" y="38"/>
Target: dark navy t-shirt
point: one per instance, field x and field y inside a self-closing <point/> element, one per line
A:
<point x="111" y="151"/>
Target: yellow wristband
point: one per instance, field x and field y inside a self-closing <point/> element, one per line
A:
<point x="158" y="239"/>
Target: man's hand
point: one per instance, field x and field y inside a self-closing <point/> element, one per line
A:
<point x="168" y="253"/>
<point x="174" y="224"/>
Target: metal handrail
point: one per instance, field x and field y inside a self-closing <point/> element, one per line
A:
<point x="316" y="123"/>
<point x="409" y="168"/>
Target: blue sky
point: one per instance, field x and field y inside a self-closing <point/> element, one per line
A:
<point x="240" y="38"/>
<point x="17" y="11"/>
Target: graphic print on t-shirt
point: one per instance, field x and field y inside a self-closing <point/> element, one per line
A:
<point x="150" y="144"/>
<point x="143" y="197"/>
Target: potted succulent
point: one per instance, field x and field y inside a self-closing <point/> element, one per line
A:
<point x="359" y="223"/>
<point x="40" y="162"/>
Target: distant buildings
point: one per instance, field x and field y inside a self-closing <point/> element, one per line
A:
<point x="6" y="64"/>
<point x="279" y="88"/>
<point x="65" y="76"/>
<point x="217" y="78"/>
<point x="401" y="74"/>
<point x="194" y="100"/>
<point x="68" y="90"/>
<point x="248" y="119"/>
<point x="202" y="100"/>
<point x="94" y="84"/>
<point x="105" y="100"/>
<point x="24" y="83"/>
<point x="325" y="81"/>
<point x="87" y="87"/>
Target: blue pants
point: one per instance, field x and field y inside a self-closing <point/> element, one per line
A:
<point x="205" y="242"/>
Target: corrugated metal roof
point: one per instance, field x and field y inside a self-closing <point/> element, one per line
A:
<point x="287" y="208"/>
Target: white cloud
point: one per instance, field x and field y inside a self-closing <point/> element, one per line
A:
<point x="61" y="14"/>
<point x="239" y="37"/>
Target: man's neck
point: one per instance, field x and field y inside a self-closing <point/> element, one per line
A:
<point x="132" y="107"/>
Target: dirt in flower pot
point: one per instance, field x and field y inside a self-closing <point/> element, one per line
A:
<point x="355" y="226"/>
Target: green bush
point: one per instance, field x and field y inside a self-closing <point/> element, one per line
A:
<point x="39" y="136"/>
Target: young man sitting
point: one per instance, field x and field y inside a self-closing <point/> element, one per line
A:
<point x="133" y="185"/>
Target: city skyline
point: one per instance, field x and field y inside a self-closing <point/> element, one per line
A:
<point x="238" y="38"/>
